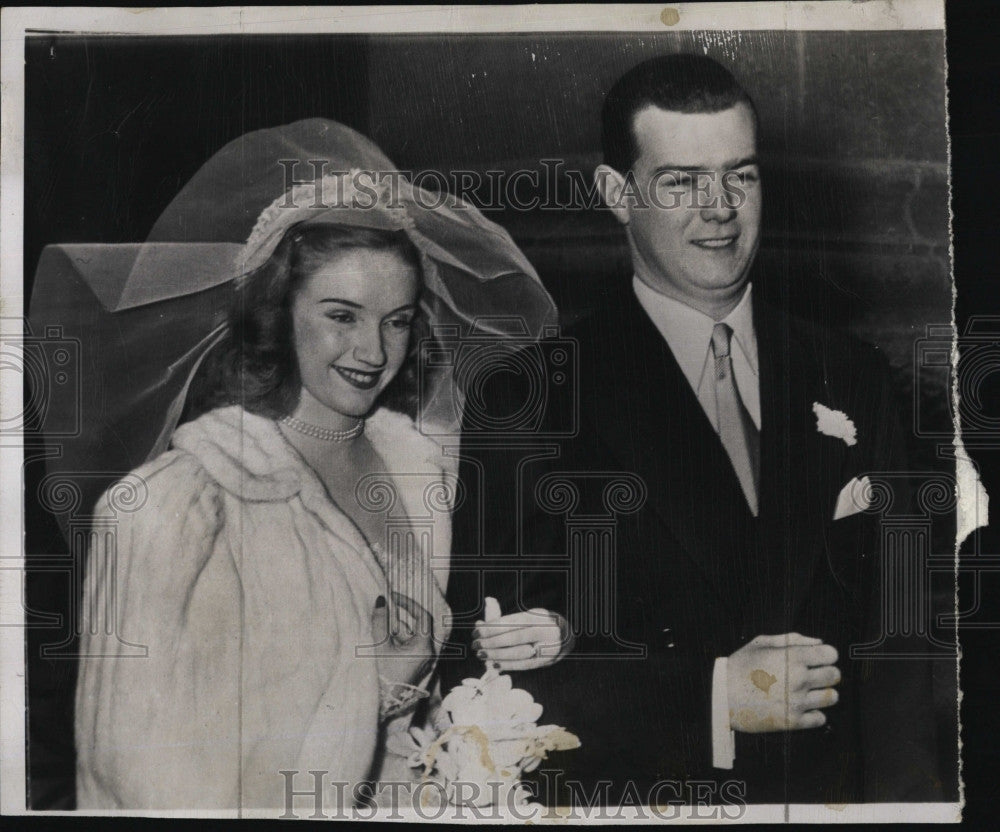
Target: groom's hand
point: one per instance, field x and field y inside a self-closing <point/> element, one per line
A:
<point x="781" y="683"/>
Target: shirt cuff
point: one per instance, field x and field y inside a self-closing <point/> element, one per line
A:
<point x="723" y="737"/>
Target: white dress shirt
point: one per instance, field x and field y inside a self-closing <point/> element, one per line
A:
<point x="688" y="333"/>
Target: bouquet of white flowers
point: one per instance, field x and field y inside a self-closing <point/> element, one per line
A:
<point x="482" y="738"/>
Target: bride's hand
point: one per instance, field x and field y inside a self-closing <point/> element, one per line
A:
<point x="404" y="631"/>
<point x="522" y="640"/>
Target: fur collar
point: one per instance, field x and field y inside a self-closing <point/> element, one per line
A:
<point x="249" y="457"/>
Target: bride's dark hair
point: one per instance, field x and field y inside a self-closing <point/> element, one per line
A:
<point x="255" y="366"/>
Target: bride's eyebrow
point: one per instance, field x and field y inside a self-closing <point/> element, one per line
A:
<point x="351" y="303"/>
<point x="404" y="307"/>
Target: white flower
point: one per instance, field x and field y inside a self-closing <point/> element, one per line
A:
<point x="412" y="744"/>
<point x="493" y="704"/>
<point x="484" y="736"/>
<point x="835" y="423"/>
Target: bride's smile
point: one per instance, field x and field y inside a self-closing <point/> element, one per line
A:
<point x="359" y="378"/>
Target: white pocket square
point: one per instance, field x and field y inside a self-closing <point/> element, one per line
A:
<point x="854" y="497"/>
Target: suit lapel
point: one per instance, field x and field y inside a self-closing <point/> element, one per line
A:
<point x="645" y="412"/>
<point x="800" y="468"/>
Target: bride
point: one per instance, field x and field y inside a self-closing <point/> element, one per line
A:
<point x="278" y="596"/>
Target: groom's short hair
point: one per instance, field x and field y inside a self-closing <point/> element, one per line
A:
<point x="682" y="83"/>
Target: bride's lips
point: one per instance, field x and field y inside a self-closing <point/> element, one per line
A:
<point x="361" y="379"/>
<point x="715" y="243"/>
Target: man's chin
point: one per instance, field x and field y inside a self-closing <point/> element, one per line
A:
<point x="723" y="285"/>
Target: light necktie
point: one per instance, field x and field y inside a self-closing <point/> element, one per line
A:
<point x="739" y="435"/>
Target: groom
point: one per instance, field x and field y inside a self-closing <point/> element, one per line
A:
<point x="716" y="451"/>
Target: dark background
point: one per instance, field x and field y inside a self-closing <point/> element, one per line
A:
<point x="852" y="136"/>
<point x="974" y="114"/>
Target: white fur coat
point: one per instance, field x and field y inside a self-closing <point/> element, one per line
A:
<point x="250" y="591"/>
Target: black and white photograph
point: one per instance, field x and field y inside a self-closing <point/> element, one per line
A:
<point x="485" y="414"/>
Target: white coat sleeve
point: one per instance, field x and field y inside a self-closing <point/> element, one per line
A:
<point x="149" y="727"/>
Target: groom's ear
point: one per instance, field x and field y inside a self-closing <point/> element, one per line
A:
<point x="610" y="184"/>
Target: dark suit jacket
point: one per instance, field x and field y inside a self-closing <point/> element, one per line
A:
<point x="621" y="510"/>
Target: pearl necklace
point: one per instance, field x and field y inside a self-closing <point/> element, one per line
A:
<point x="324" y="434"/>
